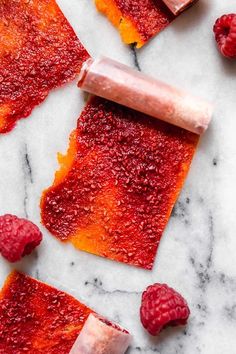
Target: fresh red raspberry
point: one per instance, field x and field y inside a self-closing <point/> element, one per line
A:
<point x="225" y="35"/>
<point x="18" y="237"/>
<point x="161" y="307"/>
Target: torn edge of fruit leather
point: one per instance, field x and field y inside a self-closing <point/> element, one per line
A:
<point x="117" y="184"/>
<point x="37" y="318"/>
<point x="36" y="56"/>
<point x="138" y="21"/>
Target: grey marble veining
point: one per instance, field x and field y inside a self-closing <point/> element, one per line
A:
<point x="197" y="252"/>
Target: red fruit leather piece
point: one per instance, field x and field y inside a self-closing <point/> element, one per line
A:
<point x="136" y="20"/>
<point x="39" y="51"/>
<point x="118" y="183"/>
<point x="36" y="318"/>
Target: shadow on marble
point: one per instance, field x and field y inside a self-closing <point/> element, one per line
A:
<point x="191" y="17"/>
<point x="228" y="66"/>
<point x="27" y="265"/>
<point x="207" y="138"/>
<point x="155" y="344"/>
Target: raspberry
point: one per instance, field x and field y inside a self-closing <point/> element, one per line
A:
<point x="161" y="307"/>
<point x="18" y="237"/>
<point x="225" y="35"/>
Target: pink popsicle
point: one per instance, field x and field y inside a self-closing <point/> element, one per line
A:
<point x="119" y="83"/>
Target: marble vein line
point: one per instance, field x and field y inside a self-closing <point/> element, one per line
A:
<point x="28" y="177"/>
<point x="97" y="285"/>
<point x="145" y="350"/>
<point x="204" y="271"/>
<point x="135" y="57"/>
<point x="181" y="211"/>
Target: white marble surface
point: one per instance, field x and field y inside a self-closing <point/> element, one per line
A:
<point x="197" y="252"/>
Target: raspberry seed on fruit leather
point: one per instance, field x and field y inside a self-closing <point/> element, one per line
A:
<point x="161" y="307"/>
<point x="39" y="51"/>
<point x="36" y="318"/>
<point x="137" y="21"/>
<point x="118" y="182"/>
<point x="225" y="35"/>
<point x="18" y="237"/>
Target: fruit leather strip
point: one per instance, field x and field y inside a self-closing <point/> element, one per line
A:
<point x="118" y="183"/>
<point x="39" y="51"/>
<point x="36" y="318"/>
<point x="136" y="20"/>
<point x="101" y="337"/>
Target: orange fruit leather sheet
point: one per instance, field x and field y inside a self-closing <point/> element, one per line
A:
<point x="36" y="318"/>
<point x="39" y="51"/>
<point x="118" y="183"/>
<point x="137" y="20"/>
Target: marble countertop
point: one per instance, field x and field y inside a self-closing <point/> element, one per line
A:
<point x="197" y="252"/>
